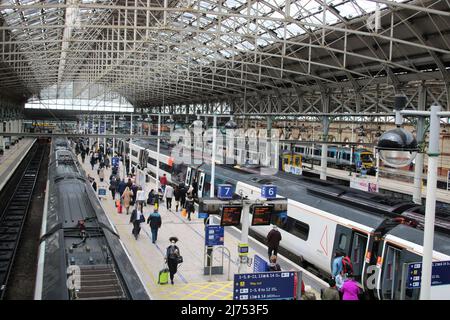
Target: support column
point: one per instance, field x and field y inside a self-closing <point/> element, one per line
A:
<point x="430" y="206"/>
<point x="323" y="158"/>
<point x="114" y="132"/>
<point x="213" y="157"/>
<point x="129" y="146"/>
<point x="418" y="165"/>
<point x="104" y="139"/>
<point x="157" y="152"/>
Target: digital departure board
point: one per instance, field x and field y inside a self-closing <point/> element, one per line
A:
<point x="230" y="215"/>
<point x="261" y="215"/>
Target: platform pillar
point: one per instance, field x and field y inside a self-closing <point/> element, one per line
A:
<point x="323" y="159"/>
<point x="418" y="165"/>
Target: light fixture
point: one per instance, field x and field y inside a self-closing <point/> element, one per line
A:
<point x="231" y="124"/>
<point x="397" y="147"/>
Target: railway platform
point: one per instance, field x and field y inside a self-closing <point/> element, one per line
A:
<point x="190" y="281"/>
<point x="12" y="157"/>
<point x="398" y="186"/>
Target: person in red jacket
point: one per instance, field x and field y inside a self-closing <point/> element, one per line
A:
<point x="273" y="241"/>
<point x="163" y="182"/>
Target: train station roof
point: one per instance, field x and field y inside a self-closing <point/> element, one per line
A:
<point x="163" y="51"/>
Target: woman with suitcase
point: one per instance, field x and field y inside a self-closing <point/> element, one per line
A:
<point x="173" y="257"/>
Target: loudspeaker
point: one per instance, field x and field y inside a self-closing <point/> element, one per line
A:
<point x="399" y="102"/>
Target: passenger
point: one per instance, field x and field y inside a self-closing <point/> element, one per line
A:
<point x="121" y="187"/>
<point x="137" y="217"/>
<point x="350" y="289"/>
<point x="172" y="257"/>
<point x="163" y="182"/>
<point x="151" y="197"/>
<point x="154" y="220"/>
<point x="189" y="205"/>
<point x="337" y="264"/>
<point x="129" y="183"/>
<point x="134" y="189"/>
<point x="308" y="294"/>
<point x="183" y="195"/>
<point x="340" y="279"/>
<point x="83" y="156"/>
<point x="92" y="162"/>
<point x="140" y="196"/>
<point x="273" y="241"/>
<point x="177" y="196"/>
<point x="101" y="174"/>
<point x="126" y="196"/>
<point x="331" y="293"/>
<point x="107" y="162"/>
<point x="273" y="265"/>
<point x="168" y="194"/>
<point x="113" y="186"/>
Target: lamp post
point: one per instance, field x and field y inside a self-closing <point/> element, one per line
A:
<point x="388" y="144"/>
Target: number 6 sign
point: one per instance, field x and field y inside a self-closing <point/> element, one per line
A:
<point x="269" y="191"/>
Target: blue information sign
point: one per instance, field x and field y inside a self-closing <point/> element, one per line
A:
<point x="214" y="235"/>
<point x="203" y="215"/>
<point x="440" y="274"/>
<point x="115" y="161"/>
<point x="264" y="286"/>
<point x="259" y="264"/>
<point x="269" y="191"/>
<point x="102" y="191"/>
<point x="225" y="191"/>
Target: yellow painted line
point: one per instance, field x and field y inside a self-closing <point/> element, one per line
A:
<point x="218" y="290"/>
<point x="199" y="290"/>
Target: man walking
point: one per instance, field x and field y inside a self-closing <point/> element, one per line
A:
<point x="168" y="194"/>
<point x="273" y="241"/>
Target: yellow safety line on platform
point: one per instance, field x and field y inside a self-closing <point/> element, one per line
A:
<point x="218" y="290"/>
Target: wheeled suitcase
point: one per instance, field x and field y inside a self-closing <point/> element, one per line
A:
<point x="163" y="277"/>
<point x="119" y="208"/>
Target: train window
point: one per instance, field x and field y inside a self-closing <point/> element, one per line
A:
<point x="134" y="153"/>
<point x="297" y="161"/>
<point x="317" y="152"/>
<point x="300" y="229"/>
<point x="343" y="241"/>
<point x="301" y="150"/>
<point x="151" y="161"/>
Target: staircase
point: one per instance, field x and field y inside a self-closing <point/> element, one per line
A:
<point x="99" y="282"/>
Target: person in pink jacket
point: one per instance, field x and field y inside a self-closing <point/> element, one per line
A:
<point x="350" y="289"/>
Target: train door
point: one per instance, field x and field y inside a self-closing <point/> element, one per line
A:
<point x="358" y="253"/>
<point x="201" y="183"/>
<point x="391" y="273"/>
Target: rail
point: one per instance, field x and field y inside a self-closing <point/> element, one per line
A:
<point x="15" y="212"/>
<point x="211" y="260"/>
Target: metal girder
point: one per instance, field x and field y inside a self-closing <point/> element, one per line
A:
<point x="172" y="52"/>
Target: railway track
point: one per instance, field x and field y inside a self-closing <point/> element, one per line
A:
<point x="18" y="194"/>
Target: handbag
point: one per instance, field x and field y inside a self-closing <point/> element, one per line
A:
<point x="179" y="259"/>
<point x="184" y="212"/>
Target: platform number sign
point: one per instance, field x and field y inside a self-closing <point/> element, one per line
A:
<point x="225" y="191"/>
<point x="269" y="191"/>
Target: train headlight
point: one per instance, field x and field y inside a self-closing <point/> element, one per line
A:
<point x="397" y="147"/>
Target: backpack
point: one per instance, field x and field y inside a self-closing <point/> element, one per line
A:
<point x="347" y="266"/>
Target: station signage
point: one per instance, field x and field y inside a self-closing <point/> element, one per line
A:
<point x="264" y="286"/>
<point x="231" y="215"/>
<point x="225" y="191"/>
<point x="269" y="191"/>
<point x="259" y="264"/>
<point x="214" y="235"/>
<point x="261" y="214"/>
<point x="440" y="274"/>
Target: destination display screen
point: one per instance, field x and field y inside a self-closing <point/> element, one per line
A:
<point x="230" y="215"/>
<point x="261" y="215"/>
